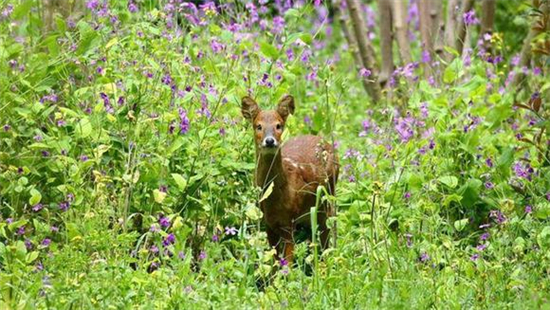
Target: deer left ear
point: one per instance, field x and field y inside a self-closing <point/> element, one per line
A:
<point x="286" y="106"/>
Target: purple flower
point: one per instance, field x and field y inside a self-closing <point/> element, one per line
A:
<point x="489" y="162"/>
<point x="37" y="207"/>
<point x="215" y="238"/>
<point x="154" y="249"/>
<point x="404" y="127"/>
<point x="54" y="229"/>
<point x="181" y="255"/>
<point x="28" y="244"/>
<point x="364" y="72"/>
<point x="470" y="18"/>
<point x="528" y="209"/>
<point x="283" y="262"/>
<point x="7" y="127"/>
<point x="64" y="206"/>
<point x="424" y="257"/>
<point x="474" y="257"/>
<point x="132" y="7"/>
<point x="523" y="170"/>
<point x="481" y="247"/>
<point x="407" y="195"/>
<point x="166" y="79"/>
<point x="170" y="239"/>
<point x="548" y="196"/>
<point x="484" y="236"/>
<point x="184" y="121"/>
<point x="21" y="230"/>
<point x="83" y="158"/>
<point x="426" y="56"/>
<point x="202" y="255"/>
<point x="46" y="242"/>
<point x="7" y="11"/>
<point x="409" y="240"/>
<point x="92" y="4"/>
<point x="164" y="222"/>
<point x="231" y="231"/>
<point x="497" y="216"/>
<point x="489" y="185"/>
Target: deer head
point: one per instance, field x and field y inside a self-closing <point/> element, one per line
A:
<point x="269" y="124"/>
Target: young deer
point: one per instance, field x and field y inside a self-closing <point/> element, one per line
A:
<point x="296" y="169"/>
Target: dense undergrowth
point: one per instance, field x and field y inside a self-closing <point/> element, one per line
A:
<point x="126" y="168"/>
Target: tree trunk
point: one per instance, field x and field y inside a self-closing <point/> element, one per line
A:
<point x="399" y="20"/>
<point x="487" y="21"/>
<point x="438" y="26"/>
<point x="461" y="29"/>
<point x="525" y="54"/>
<point x="358" y="24"/>
<point x="450" y="26"/>
<point x="386" y="41"/>
<point x="352" y="43"/>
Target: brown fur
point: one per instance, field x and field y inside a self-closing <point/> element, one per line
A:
<point x="297" y="169"/>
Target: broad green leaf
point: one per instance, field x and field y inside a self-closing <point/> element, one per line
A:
<point x="35" y="197"/>
<point x="180" y="181"/>
<point x="83" y="128"/>
<point x="460" y="224"/>
<point x="269" y="50"/>
<point x="450" y="181"/>
<point x="159" y="196"/>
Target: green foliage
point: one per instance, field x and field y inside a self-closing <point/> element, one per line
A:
<point x="126" y="170"/>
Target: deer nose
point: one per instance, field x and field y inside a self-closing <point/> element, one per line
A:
<point x="269" y="142"/>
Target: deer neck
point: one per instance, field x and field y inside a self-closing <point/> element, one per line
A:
<point x="270" y="169"/>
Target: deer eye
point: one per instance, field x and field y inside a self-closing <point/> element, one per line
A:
<point x="259" y="127"/>
<point x="278" y="126"/>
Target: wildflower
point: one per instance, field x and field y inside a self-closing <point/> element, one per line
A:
<point x="489" y="185"/>
<point x="484" y="236"/>
<point x="481" y="247"/>
<point x="404" y="127"/>
<point x="409" y="240"/>
<point x="184" y="121"/>
<point x="548" y="196"/>
<point x="92" y="4"/>
<point x="497" y="216"/>
<point x="215" y="238"/>
<point x="6" y="12"/>
<point x="528" y="209"/>
<point x="426" y="56"/>
<point x="181" y="255"/>
<point x="132" y="7"/>
<point x="231" y="231"/>
<point x="474" y="257"/>
<point x="37" y="207"/>
<point x="523" y="171"/>
<point x="154" y="249"/>
<point x="7" y="127"/>
<point x="424" y="257"/>
<point x="166" y="79"/>
<point x="407" y="195"/>
<point x="489" y="162"/>
<point x="64" y="206"/>
<point x="170" y="239"/>
<point x="83" y="158"/>
<point x="54" y="229"/>
<point x="164" y="222"/>
<point x="45" y="153"/>
<point x="283" y="262"/>
<point x="202" y="255"/>
<point x="28" y="244"/>
<point x="364" y="72"/>
<point x="46" y="242"/>
<point x="470" y="18"/>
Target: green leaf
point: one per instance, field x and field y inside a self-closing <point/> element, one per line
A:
<point x="269" y="50"/>
<point x="35" y="197"/>
<point x="22" y="10"/>
<point x="460" y="224"/>
<point x="453" y="71"/>
<point x="450" y="181"/>
<point x="83" y="128"/>
<point x="543" y="238"/>
<point x="470" y="192"/>
<point x="159" y="196"/>
<point x="267" y="192"/>
<point x="31" y="257"/>
<point x="180" y="180"/>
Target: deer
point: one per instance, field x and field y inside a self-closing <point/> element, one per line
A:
<point x="293" y="170"/>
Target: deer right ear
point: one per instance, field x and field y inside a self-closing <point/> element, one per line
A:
<point x="249" y="108"/>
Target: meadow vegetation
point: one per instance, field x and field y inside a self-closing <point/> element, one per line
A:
<point x="126" y="168"/>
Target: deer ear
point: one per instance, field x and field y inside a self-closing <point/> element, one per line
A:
<point x="249" y="108"/>
<point x="286" y="106"/>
